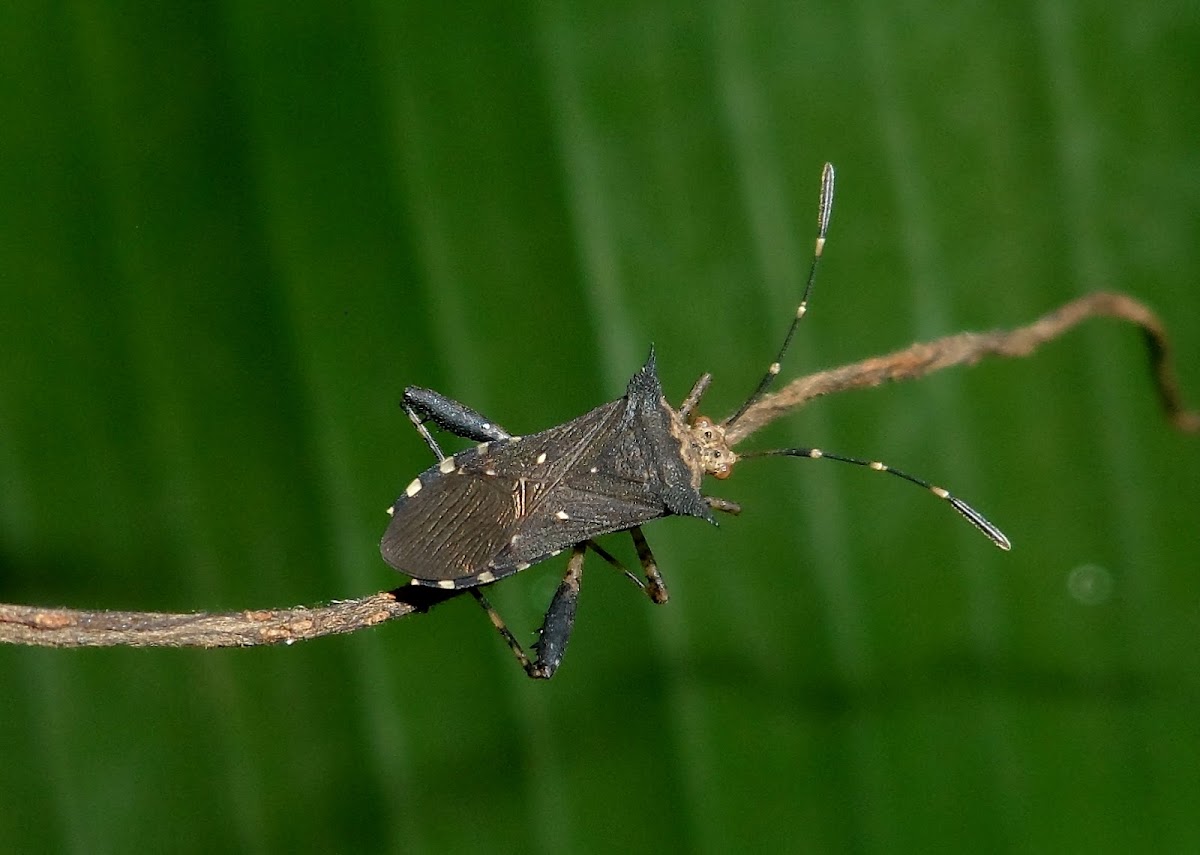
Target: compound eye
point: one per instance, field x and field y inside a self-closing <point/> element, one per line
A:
<point x="717" y="466"/>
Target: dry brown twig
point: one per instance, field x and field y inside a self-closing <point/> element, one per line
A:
<point x="54" y="627"/>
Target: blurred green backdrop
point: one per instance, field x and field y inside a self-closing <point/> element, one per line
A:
<point x="231" y="237"/>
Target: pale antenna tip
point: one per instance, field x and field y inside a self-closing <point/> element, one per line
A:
<point x="825" y="210"/>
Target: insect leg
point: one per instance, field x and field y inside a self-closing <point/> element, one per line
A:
<point x="615" y="562"/>
<point x="655" y="587"/>
<point x="502" y="628"/>
<point x="723" y="505"/>
<point x="424" y="405"/>
<point x="556" y="627"/>
<point x="560" y="619"/>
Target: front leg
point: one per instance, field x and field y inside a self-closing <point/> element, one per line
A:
<point x="424" y="405"/>
<point x="654" y="586"/>
<point x="723" y="505"/>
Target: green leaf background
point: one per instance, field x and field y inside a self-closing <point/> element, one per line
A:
<point x="231" y="235"/>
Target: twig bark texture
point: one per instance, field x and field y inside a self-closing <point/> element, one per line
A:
<point x="57" y="627"/>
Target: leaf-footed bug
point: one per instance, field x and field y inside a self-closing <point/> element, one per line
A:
<point x="511" y="501"/>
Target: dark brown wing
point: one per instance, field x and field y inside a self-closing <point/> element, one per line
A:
<point x="449" y="528"/>
<point x="496" y="509"/>
<point x="458" y="523"/>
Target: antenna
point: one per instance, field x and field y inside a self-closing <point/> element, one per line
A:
<point x="824" y="210"/>
<point x="972" y="516"/>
